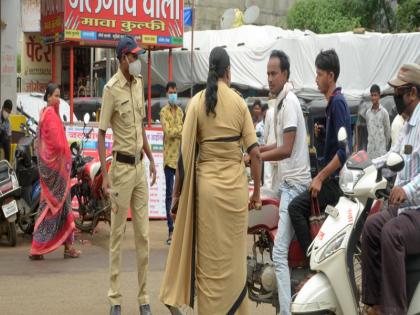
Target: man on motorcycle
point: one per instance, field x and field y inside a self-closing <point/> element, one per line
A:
<point x="390" y="236"/>
<point x="291" y="152"/>
<point x="324" y="186"/>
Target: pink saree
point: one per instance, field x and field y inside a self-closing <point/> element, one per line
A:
<point x="55" y="224"/>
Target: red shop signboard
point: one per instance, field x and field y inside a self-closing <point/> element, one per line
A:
<point x="152" y="22"/>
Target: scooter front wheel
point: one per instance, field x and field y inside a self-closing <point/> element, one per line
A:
<point x="11" y="234"/>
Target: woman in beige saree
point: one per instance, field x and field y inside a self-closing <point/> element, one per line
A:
<point x="208" y="251"/>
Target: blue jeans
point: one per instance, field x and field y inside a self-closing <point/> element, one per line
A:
<point x="284" y="237"/>
<point x="169" y="180"/>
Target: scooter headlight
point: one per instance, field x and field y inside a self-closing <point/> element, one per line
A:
<point x="348" y="179"/>
<point x="332" y="247"/>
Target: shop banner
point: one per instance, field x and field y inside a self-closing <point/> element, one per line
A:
<point x="152" y="22"/>
<point x="31" y="14"/>
<point x="155" y="138"/>
<point x="36" y="63"/>
<point x="52" y="17"/>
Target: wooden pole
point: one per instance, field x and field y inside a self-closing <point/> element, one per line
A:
<point x="192" y="47"/>
<point x="71" y="83"/>
<point x="53" y="65"/>
<point x="170" y="65"/>
<point x="149" y="88"/>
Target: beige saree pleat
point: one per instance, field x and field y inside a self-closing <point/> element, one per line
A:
<point x="178" y="282"/>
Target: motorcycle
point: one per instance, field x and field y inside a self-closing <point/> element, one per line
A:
<point x="10" y="191"/>
<point x="93" y="206"/>
<point x="26" y="169"/>
<point x="335" y="252"/>
<point x="261" y="277"/>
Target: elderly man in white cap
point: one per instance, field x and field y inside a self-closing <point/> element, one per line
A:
<point x="391" y="235"/>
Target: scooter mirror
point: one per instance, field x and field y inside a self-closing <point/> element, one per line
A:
<point x="65" y="118"/>
<point x="94" y="115"/>
<point x="74" y="147"/>
<point x="395" y="162"/>
<point x="342" y="135"/>
<point x="86" y="118"/>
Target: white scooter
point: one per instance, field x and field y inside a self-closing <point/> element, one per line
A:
<point x="335" y="252"/>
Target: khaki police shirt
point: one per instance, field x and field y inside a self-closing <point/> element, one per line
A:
<point x="123" y="110"/>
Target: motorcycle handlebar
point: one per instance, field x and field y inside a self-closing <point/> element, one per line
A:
<point x="384" y="193"/>
<point x="20" y="109"/>
<point x="88" y="134"/>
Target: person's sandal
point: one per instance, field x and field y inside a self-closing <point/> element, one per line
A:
<point x="72" y="253"/>
<point x="371" y="310"/>
<point x="36" y="257"/>
<point x="169" y="240"/>
<point x="174" y="310"/>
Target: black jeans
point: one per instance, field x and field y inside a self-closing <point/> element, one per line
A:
<point x="386" y="241"/>
<point x="5" y="145"/>
<point x="169" y="179"/>
<point x="300" y="209"/>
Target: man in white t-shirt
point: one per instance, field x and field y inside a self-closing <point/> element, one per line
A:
<point x="291" y="152"/>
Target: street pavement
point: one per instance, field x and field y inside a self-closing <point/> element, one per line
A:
<point x="57" y="286"/>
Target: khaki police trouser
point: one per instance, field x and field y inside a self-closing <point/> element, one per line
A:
<point x="128" y="189"/>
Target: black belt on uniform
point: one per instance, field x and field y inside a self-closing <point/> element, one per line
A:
<point x="128" y="159"/>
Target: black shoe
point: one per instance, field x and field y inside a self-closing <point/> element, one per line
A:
<point x="174" y="310"/>
<point x="115" y="310"/>
<point x="169" y="240"/>
<point x="145" y="309"/>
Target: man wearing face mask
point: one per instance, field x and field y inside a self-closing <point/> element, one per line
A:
<point x="171" y="119"/>
<point x="390" y="236"/>
<point x="123" y="110"/>
<point x="5" y="130"/>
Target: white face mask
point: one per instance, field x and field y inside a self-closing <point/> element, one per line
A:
<point x="5" y="115"/>
<point x="134" y="68"/>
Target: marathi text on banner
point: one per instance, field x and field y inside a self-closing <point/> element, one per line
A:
<point x="36" y="63"/>
<point x="157" y="192"/>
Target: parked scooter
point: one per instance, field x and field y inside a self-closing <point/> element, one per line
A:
<point x="9" y="192"/>
<point x="26" y="168"/>
<point x="335" y="252"/>
<point x="93" y="205"/>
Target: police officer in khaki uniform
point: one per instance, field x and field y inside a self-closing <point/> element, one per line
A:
<point x="126" y="184"/>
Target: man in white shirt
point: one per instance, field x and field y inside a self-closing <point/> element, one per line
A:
<point x="390" y="236"/>
<point x="291" y="152"/>
<point x="377" y="121"/>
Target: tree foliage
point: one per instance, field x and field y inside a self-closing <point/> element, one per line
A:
<point x="323" y="16"/>
<point x="408" y="16"/>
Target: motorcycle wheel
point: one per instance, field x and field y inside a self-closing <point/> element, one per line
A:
<point x="11" y="234"/>
<point x="81" y="222"/>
